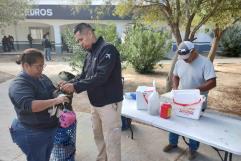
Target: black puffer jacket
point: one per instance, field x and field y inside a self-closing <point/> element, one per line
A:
<point x="101" y="75"/>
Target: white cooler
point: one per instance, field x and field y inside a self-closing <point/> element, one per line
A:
<point x="187" y="103"/>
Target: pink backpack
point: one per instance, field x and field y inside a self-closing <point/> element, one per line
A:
<point x="67" y="118"/>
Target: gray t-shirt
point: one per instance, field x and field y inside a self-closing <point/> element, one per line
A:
<point x="194" y="74"/>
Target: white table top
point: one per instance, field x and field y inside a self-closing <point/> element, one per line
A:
<point x="220" y="131"/>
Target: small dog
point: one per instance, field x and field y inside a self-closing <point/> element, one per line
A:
<point x="65" y="76"/>
<point x="65" y="138"/>
<point x="66" y="105"/>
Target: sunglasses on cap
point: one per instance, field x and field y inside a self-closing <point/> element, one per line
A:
<point x="183" y="51"/>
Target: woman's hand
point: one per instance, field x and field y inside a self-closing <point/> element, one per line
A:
<point x="40" y="105"/>
<point x="62" y="98"/>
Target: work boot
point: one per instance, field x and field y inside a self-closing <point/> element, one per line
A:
<point x="192" y="154"/>
<point x="169" y="147"/>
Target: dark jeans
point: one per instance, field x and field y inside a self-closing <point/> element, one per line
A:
<point x="173" y="139"/>
<point x="47" y="52"/>
<point x="36" y="144"/>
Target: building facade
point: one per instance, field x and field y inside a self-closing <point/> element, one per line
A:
<point x="53" y="19"/>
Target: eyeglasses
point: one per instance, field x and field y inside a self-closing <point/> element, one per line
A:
<point x="183" y="51"/>
<point x="39" y="66"/>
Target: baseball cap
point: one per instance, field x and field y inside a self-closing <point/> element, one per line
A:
<point x="184" y="49"/>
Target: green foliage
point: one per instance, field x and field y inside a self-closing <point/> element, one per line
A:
<point x="76" y="60"/>
<point x="231" y="41"/>
<point x="225" y="15"/>
<point x="143" y="48"/>
<point x="108" y="32"/>
<point x="185" y="15"/>
<point x="12" y="10"/>
<point x="96" y="12"/>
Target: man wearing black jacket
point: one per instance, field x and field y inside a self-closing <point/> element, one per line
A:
<point x="101" y="78"/>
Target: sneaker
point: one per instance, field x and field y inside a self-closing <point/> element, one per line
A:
<point x="169" y="147"/>
<point x="192" y="154"/>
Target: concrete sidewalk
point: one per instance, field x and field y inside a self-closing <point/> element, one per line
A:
<point x="147" y="144"/>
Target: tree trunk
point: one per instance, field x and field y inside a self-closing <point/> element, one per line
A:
<point x="217" y="36"/>
<point x="177" y="35"/>
<point x="212" y="52"/>
<point x="169" y="77"/>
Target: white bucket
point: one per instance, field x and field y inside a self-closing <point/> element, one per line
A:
<point x="188" y="103"/>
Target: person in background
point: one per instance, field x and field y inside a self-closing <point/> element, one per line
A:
<point x="47" y="47"/>
<point x="8" y="44"/>
<point x="11" y="42"/>
<point x="101" y="77"/>
<point x="30" y="40"/>
<point x="5" y="43"/>
<point x="31" y="95"/>
<point x="191" y="71"/>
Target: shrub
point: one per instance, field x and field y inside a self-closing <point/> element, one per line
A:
<point x="143" y="48"/>
<point x="108" y="32"/>
<point x="76" y="59"/>
<point x="231" y="41"/>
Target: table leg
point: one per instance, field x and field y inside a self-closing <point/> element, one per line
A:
<point x="185" y="141"/>
<point x="226" y="156"/>
<point x="230" y="156"/>
<point x="131" y="132"/>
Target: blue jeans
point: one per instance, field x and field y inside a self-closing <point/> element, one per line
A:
<point x="173" y="139"/>
<point x="36" y="144"/>
<point x="47" y="52"/>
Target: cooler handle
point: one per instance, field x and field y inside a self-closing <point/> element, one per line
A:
<point x="190" y="104"/>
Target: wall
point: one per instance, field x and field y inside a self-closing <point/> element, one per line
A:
<point x="21" y="30"/>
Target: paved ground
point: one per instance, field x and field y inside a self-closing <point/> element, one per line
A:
<point x="146" y="146"/>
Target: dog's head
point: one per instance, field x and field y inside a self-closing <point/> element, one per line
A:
<point x="66" y="76"/>
<point x="58" y="92"/>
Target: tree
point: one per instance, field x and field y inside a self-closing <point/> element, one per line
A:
<point x="186" y="15"/>
<point x="222" y="20"/>
<point x="12" y="10"/>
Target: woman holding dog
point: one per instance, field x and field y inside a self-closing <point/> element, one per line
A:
<point x="31" y="95"/>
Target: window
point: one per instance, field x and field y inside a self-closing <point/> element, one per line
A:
<point x="36" y="33"/>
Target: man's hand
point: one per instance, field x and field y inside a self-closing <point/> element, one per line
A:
<point x="209" y="84"/>
<point x="68" y="88"/>
<point x="61" y="83"/>
<point x="175" y="82"/>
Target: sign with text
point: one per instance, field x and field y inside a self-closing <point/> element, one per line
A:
<point x="67" y="12"/>
<point x="39" y="12"/>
